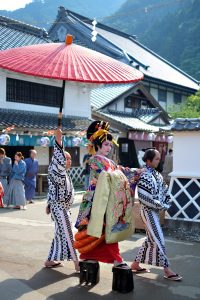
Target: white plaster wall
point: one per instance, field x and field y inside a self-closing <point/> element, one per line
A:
<point x="186" y="162"/>
<point x="42" y="155"/>
<point x="76" y="101"/>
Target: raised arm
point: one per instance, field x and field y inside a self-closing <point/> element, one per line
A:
<point x="58" y="161"/>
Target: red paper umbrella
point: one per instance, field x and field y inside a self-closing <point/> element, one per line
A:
<point x="67" y="61"/>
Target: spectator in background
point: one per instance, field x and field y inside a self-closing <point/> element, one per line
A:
<point x="5" y="169"/>
<point x="30" y="177"/>
<point x="86" y="171"/>
<point x="168" y="166"/>
<point x="16" y="193"/>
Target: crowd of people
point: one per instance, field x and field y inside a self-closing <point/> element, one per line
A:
<point x="17" y="179"/>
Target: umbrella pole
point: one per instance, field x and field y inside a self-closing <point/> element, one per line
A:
<point x="61" y="105"/>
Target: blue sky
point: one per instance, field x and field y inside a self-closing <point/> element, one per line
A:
<point x="13" y="4"/>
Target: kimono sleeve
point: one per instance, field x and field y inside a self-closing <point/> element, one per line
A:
<point x="148" y="195"/>
<point x="132" y="176"/>
<point x="167" y="199"/>
<point x="19" y="169"/>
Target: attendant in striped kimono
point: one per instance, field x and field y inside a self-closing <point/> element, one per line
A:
<point x="153" y="196"/>
<point x="60" y="199"/>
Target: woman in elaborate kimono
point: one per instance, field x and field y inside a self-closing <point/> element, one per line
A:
<point x="16" y="192"/>
<point x="101" y="144"/>
<point x="30" y="177"/>
<point x="60" y="199"/>
<point x="153" y="196"/>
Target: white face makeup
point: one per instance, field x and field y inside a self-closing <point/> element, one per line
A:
<point x="105" y="149"/>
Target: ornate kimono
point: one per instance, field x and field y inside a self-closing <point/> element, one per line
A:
<point x="60" y="198"/>
<point x="30" y="177"/>
<point x="104" y="252"/>
<point x="153" y="196"/>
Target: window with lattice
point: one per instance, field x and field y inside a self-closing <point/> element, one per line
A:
<point x="22" y="91"/>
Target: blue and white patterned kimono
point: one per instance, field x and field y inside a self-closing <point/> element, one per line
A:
<point x="153" y="196"/>
<point x="60" y="198"/>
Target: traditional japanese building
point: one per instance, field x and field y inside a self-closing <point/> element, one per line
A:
<point x="28" y="106"/>
<point x="136" y="107"/>
<point x="185" y="178"/>
<point x="164" y="81"/>
<point x="138" y="127"/>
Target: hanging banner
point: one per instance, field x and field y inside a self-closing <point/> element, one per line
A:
<point x="39" y="140"/>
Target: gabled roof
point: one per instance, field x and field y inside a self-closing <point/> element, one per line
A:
<point x="82" y="34"/>
<point x="126" y="48"/>
<point x="16" y="34"/>
<point x="40" y="121"/>
<point x="103" y="96"/>
<point x="125" y="120"/>
<point x="182" y="124"/>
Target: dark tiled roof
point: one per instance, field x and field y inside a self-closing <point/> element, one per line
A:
<point x="17" y="34"/>
<point x="186" y="124"/>
<point x="82" y="34"/>
<point x="127" y="121"/>
<point x="123" y="47"/>
<point x="145" y="115"/>
<point x="40" y="121"/>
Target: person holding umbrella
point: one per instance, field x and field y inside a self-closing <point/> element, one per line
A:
<point x="60" y="199"/>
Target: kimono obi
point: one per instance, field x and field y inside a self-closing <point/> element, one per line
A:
<point x="112" y="206"/>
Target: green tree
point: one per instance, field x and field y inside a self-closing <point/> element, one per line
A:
<point x="189" y="109"/>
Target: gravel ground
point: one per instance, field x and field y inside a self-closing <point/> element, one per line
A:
<point x="183" y="234"/>
<point x="179" y="234"/>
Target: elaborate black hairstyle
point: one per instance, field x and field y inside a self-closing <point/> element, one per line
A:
<point x="98" y="132"/>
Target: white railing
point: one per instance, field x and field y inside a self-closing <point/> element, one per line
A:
<point x="185" y="195"/>
<point x="76" y="175"/>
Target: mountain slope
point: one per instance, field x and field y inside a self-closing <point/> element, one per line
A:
<point x="170" y="28"/>
<point x="137" y="16"/>
<point x="42" y="13"/>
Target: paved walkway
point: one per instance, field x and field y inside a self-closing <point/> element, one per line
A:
<point x="25" y="238"/>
